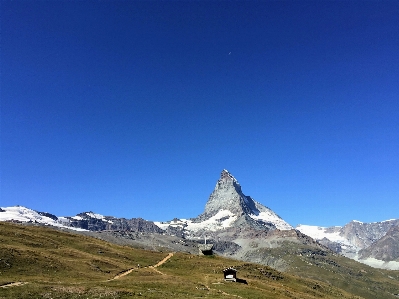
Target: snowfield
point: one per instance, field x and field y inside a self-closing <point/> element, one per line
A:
<point x="319" y="233"/>
<point x="372" y="262"/>
<point x="23" y="214"/>
<point x="223" y="219"/>
<point x="270" y="216"/>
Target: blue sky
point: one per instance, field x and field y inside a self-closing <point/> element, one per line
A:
<point x="132" y="109"/>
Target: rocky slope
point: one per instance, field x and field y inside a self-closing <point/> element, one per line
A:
<point x="96" y="222"/>
<point x="227" y="207"/>
<point x="364" y="242"/>
<point x="238" y="226"/>
<point x="385" y="249"/>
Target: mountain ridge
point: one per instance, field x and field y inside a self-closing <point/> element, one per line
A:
<point x="230" y="217"/>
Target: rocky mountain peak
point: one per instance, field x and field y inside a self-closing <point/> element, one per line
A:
<point x="227" y="176"/>
<point x="227" y="195"/>
<point x="227" y="203"/>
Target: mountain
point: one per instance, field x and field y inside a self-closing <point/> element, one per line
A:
<point x="355" y="237"/>
<point x="386" y="248"/>
<point x="86" y="221"/>
<point x="237" y="225"/>
<point x="247" y="231"/>
<point x="240" y="227"/>
<point x="97" y="222"/>
<point x="227" y="207"/>
<point x="38" y="262"/>
<point x="23" y="214"/>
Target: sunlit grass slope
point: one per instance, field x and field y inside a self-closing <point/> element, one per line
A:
<point x="57" y="264"/>
<point x="336" y="270"/>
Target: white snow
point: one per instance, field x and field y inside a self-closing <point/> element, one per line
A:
<point x="319" y="233"/>
<point x="214" y="223"/>
<point x="372" y="262"/>
<point x="23" y="214"/>
<point x="162" y="225"/>
<point x="92" y="215"/>
<point x="389" y="220"/>
<point x="98" y="216"/>
<point x="270" y="216"/>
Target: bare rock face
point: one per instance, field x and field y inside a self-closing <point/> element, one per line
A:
<point x="94" y="222"/>
<point x="385" y="249"/>
<point x="363" y="235"/>
<point x="228" y="196"/>
<point x="348" y="240"/>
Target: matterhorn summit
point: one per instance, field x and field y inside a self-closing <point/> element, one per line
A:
<point x="228" y="195"/>
<point x="228" y="208"/>
<point x="228" y="199"/>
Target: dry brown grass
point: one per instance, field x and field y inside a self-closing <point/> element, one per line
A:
<point x="58" y="264"/>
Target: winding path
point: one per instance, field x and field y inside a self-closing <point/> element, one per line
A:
<point x="13" y="284"/>
<point x="164" y="260"/>
<point x="151" y="267"/>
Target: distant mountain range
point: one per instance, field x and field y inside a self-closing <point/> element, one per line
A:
<point x="239" y="227"/>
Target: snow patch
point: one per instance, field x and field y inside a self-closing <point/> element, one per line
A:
<point x="270" y="216"/>
<point x="23" y="214"/>
<point x="98" y="216"/>
<point x="223" y="219"/>
<point x="319" y="233"/>
<point x="372" y="262"/>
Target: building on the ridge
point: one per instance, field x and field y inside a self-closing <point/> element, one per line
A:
<point x="205" y="249"/>
<point x="230" y="274"/>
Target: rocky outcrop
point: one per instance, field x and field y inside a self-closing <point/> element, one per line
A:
<point x="226" y="247"/>
<point x="352" y="237"/>
<point x="51" y="216"/>
<point x="94" y="222"/>
<point x="363" y="235"/>
<point x="385" y="249"/>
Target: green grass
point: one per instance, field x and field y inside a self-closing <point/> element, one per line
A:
<point x="58" y="264"/>
<point x="338" y="271"/>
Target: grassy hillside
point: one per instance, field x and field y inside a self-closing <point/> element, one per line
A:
<point x="56" y="264"/>
<point x="335" y="270"/>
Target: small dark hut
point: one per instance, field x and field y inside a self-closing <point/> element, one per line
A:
<point x="230" y="274"/>
<point x="205" y="249"/>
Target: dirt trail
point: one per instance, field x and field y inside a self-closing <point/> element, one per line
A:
<point x="151" y="267"/>
<point x="123" y="274"/>
<point x="164" y="260"/>
<point x="13" y="284"/>
<point x="160" y="263"/>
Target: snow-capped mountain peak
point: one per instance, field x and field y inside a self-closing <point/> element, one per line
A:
<point x="228" y="207"/>
<point x="23" y="214"/>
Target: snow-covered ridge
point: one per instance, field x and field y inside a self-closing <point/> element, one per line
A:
<point x="331" y="233"/>
<point x="269" y="216"/>
<point x="18" y="213"/>
<point x="223" y="219"/>
<point x="92" y="215"/>
<point x="319" y="233"/>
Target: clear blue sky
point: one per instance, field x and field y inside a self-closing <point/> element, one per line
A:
<point x="132" y="109"/>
